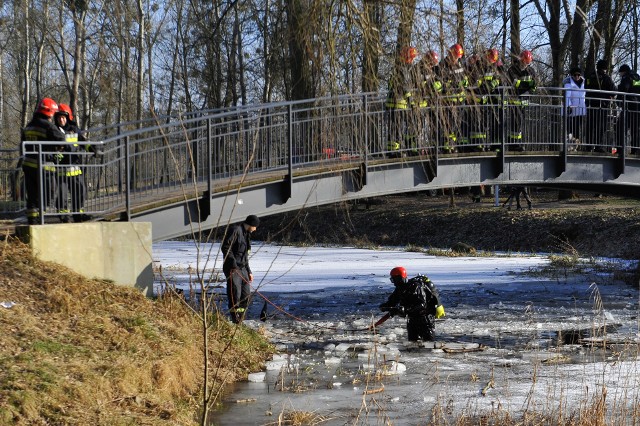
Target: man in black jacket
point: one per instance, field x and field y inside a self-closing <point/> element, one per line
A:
<point x="236" y="248"/>
<point x="629" y="120"/>
<point x="418" y="300"/>
<point x="598" y="105"/>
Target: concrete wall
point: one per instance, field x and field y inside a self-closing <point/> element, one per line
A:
<point x="117" y="251"/>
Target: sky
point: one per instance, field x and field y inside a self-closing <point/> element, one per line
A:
<point x="521" y="328"/>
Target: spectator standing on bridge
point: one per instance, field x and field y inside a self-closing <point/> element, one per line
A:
<point x="418" y="300"/>
<point x="522" y="79"/>
<point x="629" y="119"/>
<point x="236" y="248"/>
<point x="598" y="105"/>
<point x="70" y="178"/>
<point x="575" y="105"/>
<point x="40" y="128"/>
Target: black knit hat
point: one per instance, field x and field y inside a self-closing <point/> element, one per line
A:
<point x="601" y="65"/>
<point x="252" y="220"/>
<point x="625" y="68"/>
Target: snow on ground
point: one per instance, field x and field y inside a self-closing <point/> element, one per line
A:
<point x="510" y="342"/>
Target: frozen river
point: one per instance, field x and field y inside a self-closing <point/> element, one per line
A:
<point x="512" y="342"/>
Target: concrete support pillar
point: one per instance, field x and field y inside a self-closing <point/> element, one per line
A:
<point x="116" y="251"/>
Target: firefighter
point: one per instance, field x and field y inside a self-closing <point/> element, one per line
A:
<point x="40" y="128"/>
<point x="598" y="105"/>
<point x="629" y="120"/>
<point x="236" y="248"/>
<point x="522" y="80"/>
<point x="428" y="87"/>
<point x="455" y="82"/>
<point x="70" y="177"/>
<point x="418" y="300"/>
<point x="486" y="129"/>
<point x="398" y="100"/>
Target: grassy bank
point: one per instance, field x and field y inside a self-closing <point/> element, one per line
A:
<point x="79" y="352"/>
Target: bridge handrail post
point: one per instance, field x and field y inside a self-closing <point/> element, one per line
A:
<point x="565" y="133"/>
<point x="365" y="121"/>
<point x="127" y="173"/>
<point x="503" y="122"/>
<point x="41" y="187"/>
<point x="290" y="137"/>
<point x="121" y="153"/>
<point x="209" y="157"/>
<point x="625" y="106"/>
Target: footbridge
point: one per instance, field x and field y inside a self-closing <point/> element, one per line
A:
<point x="191" y="172"/>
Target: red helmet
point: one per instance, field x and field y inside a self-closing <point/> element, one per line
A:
<point x="65" y="110"/>
<point x="47" y="107"/>
<point x="433" y="57"/>
<point x="493" y="55"/>
<point x="398" y="271"/>
<point x="408" y="54"/>
<point x="526" y="57"/>
<point x="457" y="51"/>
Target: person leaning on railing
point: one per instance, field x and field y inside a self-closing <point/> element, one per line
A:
<point x="455" y="83"/>
<point x="70" y="177"/>
<point x="630" y="120"/>
<point x="598" y="105"/>
<point x="40" y="128"/>
<point x="398" y="100"/>
<point x="576" y="108"/>
<point x="428" y="87"/>
<point x="522" y="79"/>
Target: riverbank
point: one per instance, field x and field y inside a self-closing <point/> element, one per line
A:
<point x="87" y="352"/>
<point x="587" y="225"/>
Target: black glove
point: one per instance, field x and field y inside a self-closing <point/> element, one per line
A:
<point x="398" y="311"/>
<point x="384" y="308"/>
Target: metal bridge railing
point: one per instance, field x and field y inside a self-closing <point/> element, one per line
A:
<point x="143" y="163"/>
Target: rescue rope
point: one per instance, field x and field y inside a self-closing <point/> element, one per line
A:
<point x="296" y="318"/>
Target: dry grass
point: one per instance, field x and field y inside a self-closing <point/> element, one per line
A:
<point x="79" y="352"/>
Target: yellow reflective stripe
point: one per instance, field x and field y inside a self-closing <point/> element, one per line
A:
<point x="478" y="135"/>
<point x="514" y="135"/>
<point x="34" y="134"/>
<point x="393" y="146"/>
<point x="69" y="171"/>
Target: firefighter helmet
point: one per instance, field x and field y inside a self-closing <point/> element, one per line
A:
<point x="408" y="54"/>
<point x="433" y="57"/>
<point x="493" y="55"/>
<point x="398" y="275"/>
<point x="65" y="109"/>
<point x="526" y="57"/>
<point x="47" y="107"/>
<point x="456" y="50"/>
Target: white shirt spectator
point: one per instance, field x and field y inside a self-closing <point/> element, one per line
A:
<point x="575" y="95"/>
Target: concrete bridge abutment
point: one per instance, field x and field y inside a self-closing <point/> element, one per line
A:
<point x="120" y="252"/>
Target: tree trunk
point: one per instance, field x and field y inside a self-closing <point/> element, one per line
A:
<point x="299" y="48"/>
<point x="371" y="46"/>
<point x="460" y="21"/>
<point x="515" y="28"/>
